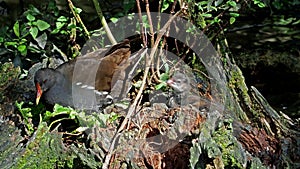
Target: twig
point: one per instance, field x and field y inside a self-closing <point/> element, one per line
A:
<point x="104" y="23"/>
<point x="173" y="7"/>
<point x="141" y="23"/>
<point x="150" y="22"/>
<point x="109" y="153"/>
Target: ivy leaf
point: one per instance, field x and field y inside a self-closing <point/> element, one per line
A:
<point x="261" y="5"/>
<point x="30" y="17"/>
<point x="62" y="19"/>
<point x="22" y="49"/>
<point x="160" y="85"/>
<point x="10" y="44"/>
<point x="206" y="15"/>
<point x="232" y="20"/>
<point x="164" y="77"/>
<point x="34" y="31"/>
<point x="42" y="25"/>
<point x="164" y="6"/>
<point x="59" y="25"/>
<point x="17" y="29"/>
<point x="232" y="3"/>
<point x="114" y="20"/>
<point x="77" y="10"/>
<point x="233" y="14"/>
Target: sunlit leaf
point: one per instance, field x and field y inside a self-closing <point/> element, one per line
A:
<point x="42" y="25"/>
<point x="30" y="17"/>
<point x="17" y="29"/>
<point x="165" y="6"/>
<point x="62" y="19"/>
<point x="232" y="20"/>
<point x="34" y="32"/>
<point x="233" y="14"/>
<point x="160" y="85"/>
<point x="114" y="20"/>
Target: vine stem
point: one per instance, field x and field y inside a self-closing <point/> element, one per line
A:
<point x="78" y="19"/>
<point x="104" y="23"/>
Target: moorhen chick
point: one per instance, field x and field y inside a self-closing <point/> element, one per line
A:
<point x="182" y="94"/>
<point x="82" y="83"/>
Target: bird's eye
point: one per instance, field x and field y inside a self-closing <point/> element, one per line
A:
<point x="44" y="81"/>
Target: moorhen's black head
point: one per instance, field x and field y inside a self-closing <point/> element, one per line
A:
<point x="44" y="79"/>
<point x="179" y="82"/>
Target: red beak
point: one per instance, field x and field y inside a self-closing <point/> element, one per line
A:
<point x="170" y="82"/>
<point x="39" y="93"/>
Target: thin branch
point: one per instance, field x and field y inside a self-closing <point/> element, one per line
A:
<point x="150" y="22"/>
<point x="141" y="23"/>
<point x="173" y="7"/>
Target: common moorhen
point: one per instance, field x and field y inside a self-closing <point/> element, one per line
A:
<point x="84" y="82"/>
<point x="182" y="94"/>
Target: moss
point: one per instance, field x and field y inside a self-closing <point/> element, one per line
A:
<point x="46" y="150"/>
<point x="8" y="76"/>
<point x="231" y="153"/>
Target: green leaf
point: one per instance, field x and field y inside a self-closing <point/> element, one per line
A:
<point x="113" y="117"/>
<point x="22" y="49"/>
<point x="63" y="32"/>
<point x="60" y="109"/>
<point x="78" y="10"/>
<point x="261" y="5"/>
<point x="30" y="17"/>
<point x="10" y="43"/>
<point x="47" y="116"/>
<point x="34" y="32"/>
<point x="232" y="20"/>
<point x="25" y="112"/>
<point x="104" y="117"/>
<point x="232" y="3"/>
<point x="42" y="25"/>
<point x="233" y="14"/>
<point x="55" y="31"/>
<point x="114" y="20"/>
<point x="164" y="77"/>
<point x="165" y="6"/>
<point x="216" y="20"/>
<point x="206" y="15"/>
<point x="34" y="10"/>
<point x="17" y="29"/>
<point x="218" y="2"/>
<point x="71" y="26"/>
<point x="161" y="85"/>
<point x="59" y="25"/>
<point x="62" y="19"/>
